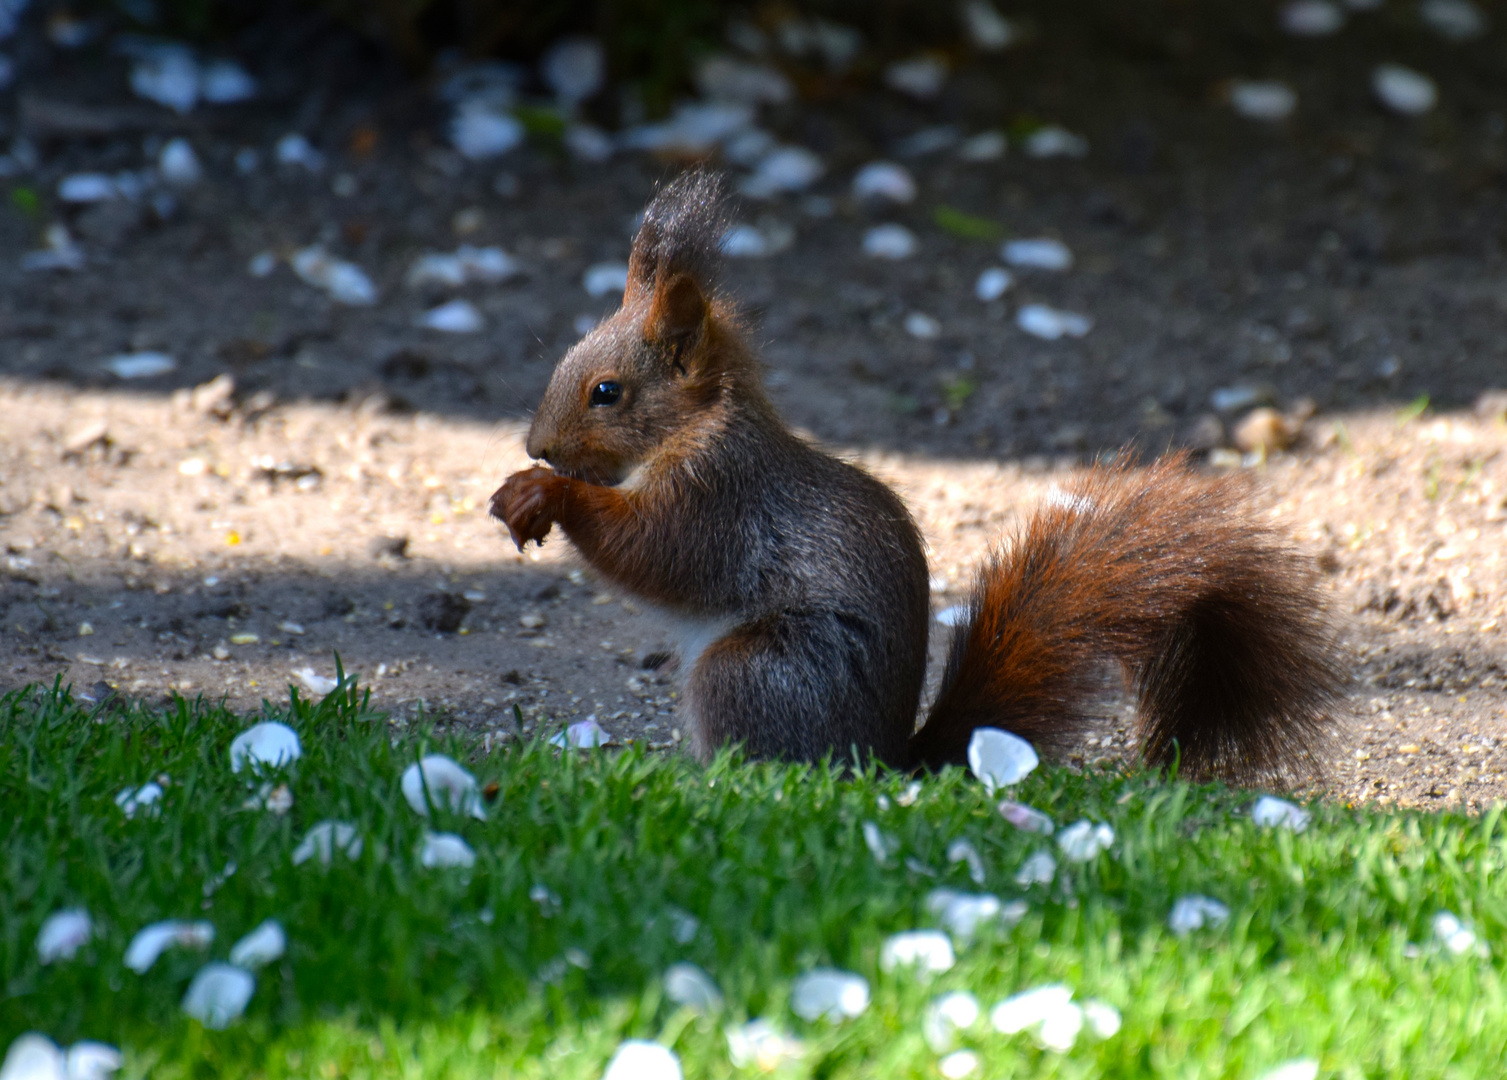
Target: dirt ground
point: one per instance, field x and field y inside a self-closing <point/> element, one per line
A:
<point x="329" y="495"/>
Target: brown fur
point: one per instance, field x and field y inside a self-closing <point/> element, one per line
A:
<point x="806" y="577"/>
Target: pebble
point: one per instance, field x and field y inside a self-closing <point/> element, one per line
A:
<point x="889" y="242"/>
<point x="1263" y="99"/>
<point x="884" y="180"/>
<point x="993" y="283"/>
<point x="987" y="29"/>
<point x="1404" y="90"/>
<point x="454" y="317"/>
<point x="1264" y="430"/>
<point x="920" y="77"/>
<point x="1051" y="324"/>
<point x="1039" y="254"/>
<point x="1053" y="141"/>
<point x="1311" y="18"/>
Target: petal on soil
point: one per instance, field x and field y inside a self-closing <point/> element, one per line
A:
<point x="326" y="838"/>
<point x="263" y="945"/>
<point x="268" y="744"/>
<point x="481" y="130"/>
<point x="999" y="758"/>
<point x="314" y="682"/>
<point x="993" y="283"/>
<point x="884" y="180"/>
<point x="63" y="934"/>
<point x="827" y="993"/>
<point x="1311" y="18"/>
<point x="152" y="941"/>
<point x="889" y="242"/>
<point x="345" y="282"/>
<point x="218" y="995"/>
<point x="453" y="317"/>
<point x="638" y="1060"/>
<point x="605" y="278"/>
<point x="688" y="985"/>
<point x="1263" y="99"/>
<point x="1193" y="912"/>
<point x="1404" y="90"/>
<point x="443" y="850"/>
<point x="1052" y="324"/>
<point x="140" y="365"/>
<point x="1042" y="253"/>
<point x="447" y="784"/>
<point x="1084" y="840"/>
<point x="987" y="28"/>
<point x="1053" y="141"/>
<point x="575" y="68"/>
<point x="927" y="951"/>
<point x="920" y="77"/>
<point x="1272" y="813"/>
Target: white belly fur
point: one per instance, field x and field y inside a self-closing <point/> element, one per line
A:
<point x="696" y="636"/>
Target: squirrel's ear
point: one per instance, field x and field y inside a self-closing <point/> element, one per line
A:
<point x="677" y="313"/>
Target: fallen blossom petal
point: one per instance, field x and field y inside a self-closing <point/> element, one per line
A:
<point x="827" y="993"/>
<point x="689" y="986"/>
<point x="884" y="180"/>
<point x="947" y="1015"/>
<point x="1054" y="141"/>
<point x="919" y="77"/>
<point x="963" y="851"/>
<point x="345" y="282"/>
<point x="89" y="1060"/>
<point x="603" y="279"/>
<point x="683" y="925"/>
<point x="987" y="28"/>
<point x="929" y="951"/>
<point x="784" y="169"/>
<point x="1297" y="1069"/>
<point x="999" y="758"/>
<point x="1273" y="813"/>
<point x="1039" y="868"/>
<point x="1261" y="99"/>
<point x="1052" y="324"/>
<point x="890" y="242"/>
<point x="1026" y="818"/>
<point x="1453" y="20"/>
<point x="639" y="1060"/>
<point x="453" y="317"/>
<point x="1084" y="840"/>
<point x="218" y="995"/>
<point x="324" y="839"/>
<point x="444" y="850"/>
<point x="1311" y="18"/>
<point x="961" y="914"/>
<point x="1456" y="936"/>
<point x="63" y="934"/>
<point x="482" y="130"/>
<point x="911" y="793"/>
<point x="438" y="780"/>
<point x="882" y="847"/>
<point x="270" y="744"/>
<point x="1102" y="1018"/>
<point x="575" y="68"/>
<point x="993" y="283"/>
<point x="1404" y="90"/>
<point x="152" y="941"/>
<point x="582" y="735"/>
<point x="316" y="683"/>
<point x="1193" y="912"/>
<point x="33" y="1057"/>
<point x="1039" y="254"/>
<point x="759" y="1045"/>
<point x="141" y="365"/>
<point x="985" y="146"/>
<point x="958" y="1064"/>
<point x="263" y="945"/>
<point x="1047" y="1010"/>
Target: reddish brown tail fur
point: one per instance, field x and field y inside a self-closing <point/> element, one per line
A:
<point x="1217" y="621"/>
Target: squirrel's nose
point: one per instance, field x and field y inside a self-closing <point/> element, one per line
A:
<point x="544" y="454"/>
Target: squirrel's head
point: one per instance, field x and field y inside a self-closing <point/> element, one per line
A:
<point x="668" y="354"/>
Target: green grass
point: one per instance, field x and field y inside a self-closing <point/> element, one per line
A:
<point x="396" y="971"/>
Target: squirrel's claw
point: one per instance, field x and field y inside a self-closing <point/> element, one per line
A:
<point x="523" y="505"/>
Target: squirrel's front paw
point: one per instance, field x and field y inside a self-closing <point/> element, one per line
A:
<point x="528" y="504"/>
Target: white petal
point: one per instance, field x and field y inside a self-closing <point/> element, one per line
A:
<point x="638" y="1060"/>
<point x="987" y="28"/>
<point x="453" y="317"/>
<point x="882" y="847"/>
<point x="574" y="68"/>
<point x="946" y="1015"/>
<point x="151" y="941"/>
<point x="1040" y="254"/>
<point x="955" y="615"/>
<point x="829" y="993"/>
<point x="999" y="758"/>
<point x="260" y="947"/>
<point x="268" y="744"/>
<point x="1273" y="813"/>
<point x="345" y="282"/>
<point x="141" y="365"/>
<point x="961" y="914"/>
<point x="602" y="279"/>
<point x="784" y="169"/>
<point x="1192" y="912"/>
<point x="1103" y="1019"/>
<point x="760" y="1045"/>
<point x="1026" y="818"/>
<point x="442" y="850"/>
<point x="1311" y="18"/>
<point x="481" y="131"/>
<point x="90" y="1060"/>
<point x="993" y="283"/>
<point x="928" y="951"/>
<point x="224" y="82"/>
<point x="920" y="77"/>
<point x="449" y="787"/>
<point x="1084" y="840"/>
<point x="218" y="995"/>
<point x="884" y="180"/>
<point x="683" y="925"/>
<point x="1052" y="324"/>
<point x="889" y="242"/>
<point x="324" y="839"/>
<point x="688" y="985"/>
<point x="1029" y="1008"/>
<point x="985" y="146"/>
<point x="586" y="734"/>
<point x="87" y="188"/>
<point x="922" y="326"/>
<point x="314" y="682"/>
<point x="958" y="1064"/>
<point x="1053" y="141"/>
<point x="1263" y="99"/>
<point x="1453" y="20"/>
<point x="63" y="933"/>
<point x="964" y="852"/>
<point x="1297" y="1069"/>
<point x="178" y="163"/>
<point x="33" y="1057"/>
<point x="1059" y="1029"/>
<point x="1039" y="868"/>
<point x="744" y="242"/>
<point x="1404" y="90"/>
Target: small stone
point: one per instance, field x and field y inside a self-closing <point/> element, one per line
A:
<point x="1404" y="90"/>
<point x="920" y="325"/>
<point x="1263" y="99"/>
<point x="889" y="242"/>
<point x="1265" y="430"/>
<point x="920" y="77"/>
<point x="1311" y="18"/>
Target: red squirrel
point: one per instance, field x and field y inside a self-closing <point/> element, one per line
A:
<point x="800" y="581"/>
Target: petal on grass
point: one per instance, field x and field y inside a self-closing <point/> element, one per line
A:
<point x="442" y="850"/>
<point x="882" y="847"/>
<point x="1048" y="1011"/>
<point x="218" y="995"/>
<point x="1102" y="1018"/>
<point x="63" y="933"/>
<point x="447" y="784"/>
<point x="961" y="914"/>
<point x="999" y="758"/>
<point x="143" y="798"/>
<point x="1026" y="818"/>
<point x="827" y="993"/>
<point x="963" y="851"/>
<point x="689" y="986"/>
<point x="1297" y="1069"/>
<point x="324" y="839"/>
<point x="927" y="951"/>
<point x="1038" y="869"/>
<point x="759" y="1045"/>
<point x="33" y="1057"/>
<point x="1273" y="813"/>
<point x="639" y="1060"/>
<point x="1084" y="840"/>
<point x="1193" y="912"/>
<point x="92" y="1061"/>
<point x="947" y="1015"/>
<point x="263" y="945"/>
<point x="957" y="1065"/>
<point x="269" y="744"/>
<point x="152" y="941"/>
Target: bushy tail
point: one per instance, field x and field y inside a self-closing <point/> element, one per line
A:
<point x="1216" y="620"/>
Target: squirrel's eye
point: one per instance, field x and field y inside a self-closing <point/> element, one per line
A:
<point x="605" y="393"/>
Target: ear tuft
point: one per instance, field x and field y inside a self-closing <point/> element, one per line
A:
<point x="681" y="235"/>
